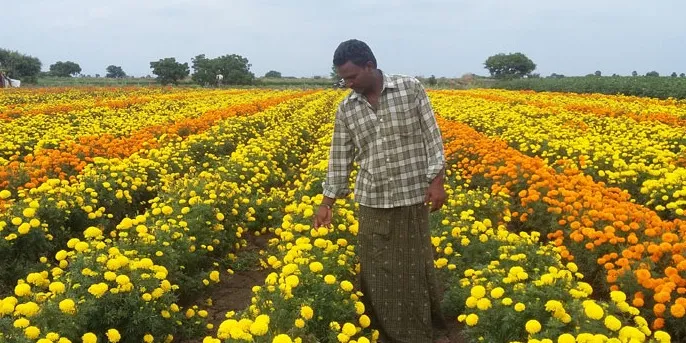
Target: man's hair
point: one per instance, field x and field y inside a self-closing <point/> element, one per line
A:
<point x="355" y="51"/>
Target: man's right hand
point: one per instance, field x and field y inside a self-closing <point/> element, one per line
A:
<point x="323" y="216"/>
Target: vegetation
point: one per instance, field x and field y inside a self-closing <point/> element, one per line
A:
<point x="169" y="71"/>
<point x="115" y="72"/>
<point x="19" y="66"/>
<point x="650" y="86"/>
<point x="65" y="69"/>
<point x="509" y="66"/>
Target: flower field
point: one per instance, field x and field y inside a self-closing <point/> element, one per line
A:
<point x="122" y="209"/>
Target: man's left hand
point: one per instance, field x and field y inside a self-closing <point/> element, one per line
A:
<point x="435" y="195"/>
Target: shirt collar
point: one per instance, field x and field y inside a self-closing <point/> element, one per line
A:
<point x="388" y="83"/>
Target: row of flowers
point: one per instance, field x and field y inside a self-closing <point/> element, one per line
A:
<point x="67" y="153"/>
<point x="618" y="244"/>
<point x="39" y="221"/>
<point x="125" y="283"/>
<point x="646" y="158"/>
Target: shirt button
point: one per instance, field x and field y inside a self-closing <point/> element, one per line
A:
<point x="381" y="120"/>
<point x="388" y="160"/>
<point x="390" y="178"/>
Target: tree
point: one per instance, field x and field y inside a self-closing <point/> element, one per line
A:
<point x="169" y="71"/>
<point x="598" y="73"/>
<point x="634" y="73"/>
<point x="115" y="72"/>
<point x="652" y="73"/>
<point x="682" y="75"/>
<point x="334" y="73"/>
<point x="273" y="73"/>
<point x="432" y="80"/>
<point x="674" y="74"/>
<point x="20" y="66"/>
<point x="556" y="76"/>
<point x="509" y="66"/>
<point x="234" y="68"/>
<point x="65" y="69"/>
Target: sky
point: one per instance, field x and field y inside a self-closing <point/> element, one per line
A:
<point x="298" y="37"/>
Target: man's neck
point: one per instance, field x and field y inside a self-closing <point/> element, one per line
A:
<point x="378" y="84"/>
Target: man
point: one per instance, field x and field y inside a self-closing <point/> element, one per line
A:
<point x="388" y="127"/>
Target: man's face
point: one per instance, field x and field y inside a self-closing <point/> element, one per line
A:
<point x="357" y="78"/>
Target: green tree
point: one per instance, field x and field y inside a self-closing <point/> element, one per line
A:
<point x="65" y="69"/>
<point x="598" y="73"/>
<point x="115" y="72"/>
<point x="203" y="70"/>
<point x="634" y="73"/>
<point x="652" y="73"/>
<point x="432" y="80"/>
<point x="682" y="75"/>
<point x="509" y="66"/>
<point x="20" y="66"/>
<point x="169" y="71"/>
<point x="674" y="74"/>
<point x="273" y="73"/>
<point x="234" y="68"/>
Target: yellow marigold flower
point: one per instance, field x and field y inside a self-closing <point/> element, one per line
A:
<point x="618" y="296"/>
<point x="365" y="321"/>
<point x="497" y="292"/>
<point x="21" y="323"/>
<point x="67" y="306"/>
<point x="519" y="307"/>
<point x="566" y="338"/>
<point x="611" y="322"/>
<point x="89" y="338"/>
<point x="532" y="326"/>
<point x="472" y="319"/>
<point x="113" y="335"/>
<point x="306" y="312"/>
<point x="478" y="292"/>
<point x="316" y="267"/>
<point x="483" y="304"/>
<point x="56" y="287"/>
<point x="330" y="279"/>
<point x="5" y="194"/>
<point x="32" y="332"/>
<point x="29" y="212"/>
<point x="214" y="276"/>
<point x="346" y="285"/>
<point x="148" y="338"/>
<point x="282" y="338"/>
<point x="299" y="323"/>
<point x="22" y="289"/>
<point x="593" y="310"/>
<point x="92" y="232"/>
<point x="359" y="307"/>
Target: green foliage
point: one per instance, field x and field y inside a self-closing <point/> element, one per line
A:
<point x="19" y="66"/>
<point x="432" y="80"/>
<point x="65" y="69"/>
<point x="656" y="87"/>
<point x="515" y="65"/>
<point x="115" y="72"/>
<point x="169" y="71"/>
<point x="273" y="74"/>
<point x="234" y="68"/>
<point x="652" y="73"/>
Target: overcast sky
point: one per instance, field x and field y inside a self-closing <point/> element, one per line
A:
<point x="298" y="37"/>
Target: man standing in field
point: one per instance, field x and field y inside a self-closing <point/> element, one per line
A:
<point x="388" y="127"/>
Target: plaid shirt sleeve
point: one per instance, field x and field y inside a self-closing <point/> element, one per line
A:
<point x="341" y="153"/>
<point x="433" y="141"/>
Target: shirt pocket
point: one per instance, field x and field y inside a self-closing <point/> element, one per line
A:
<point x="364" y="128"/>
